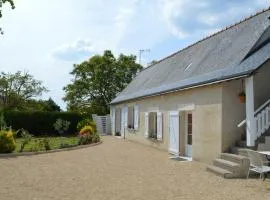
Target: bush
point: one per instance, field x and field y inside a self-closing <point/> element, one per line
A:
<point x="87" y="122"/>
<point x="61" y="126"/>
<point x="37" y="145"/>
<point x="46" y="144"/>
<point x="26" y="138"/>
<point x="7" y="142"/>
<point x="41" y="123"/>
<point x="88" y="136"/>
<point x="87" y="130"/>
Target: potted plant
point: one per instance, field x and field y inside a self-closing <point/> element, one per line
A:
<point x="242" y="97"/>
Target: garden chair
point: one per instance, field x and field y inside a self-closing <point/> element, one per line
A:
<point x="257" y="163"/>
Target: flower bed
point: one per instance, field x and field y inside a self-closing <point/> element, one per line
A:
<point x="39" y="144"/>
<point x="22" y="141"/>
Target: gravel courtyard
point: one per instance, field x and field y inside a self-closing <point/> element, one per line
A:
<point x="118" y="169"/>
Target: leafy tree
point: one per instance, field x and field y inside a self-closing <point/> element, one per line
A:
<point x="1" y="5"/>
<point x="17" y="88"/>
<point x="51" y="106"/>
<point x="97" y="81"/>
<point x="40" y="105"/>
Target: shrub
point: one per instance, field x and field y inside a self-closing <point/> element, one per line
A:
<point x="7" y="142"/>
<point x="26" y="138"/>
<point x="95" y="138"/>
<point x="87" y="130"/>
<point x="46" y="144"/>
<point x="41" y="123"/>
<point x="87" y="122"/>
<point x="37" y="145"/>
<point x="88" y="136"/>
<point x="61" y="126"/>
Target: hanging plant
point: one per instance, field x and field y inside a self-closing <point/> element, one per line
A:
<point x="242" y="97"/>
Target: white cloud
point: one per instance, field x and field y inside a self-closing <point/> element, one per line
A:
<point x="122" y="17"/>
<point x="186" y="18"/>
<point x="80" y="49"/>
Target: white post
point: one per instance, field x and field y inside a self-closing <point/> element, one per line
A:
<point x="250" y="119"/>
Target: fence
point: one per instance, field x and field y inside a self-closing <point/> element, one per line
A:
<point x="103" y="124"/>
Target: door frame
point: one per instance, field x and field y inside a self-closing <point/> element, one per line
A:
<point x="188" y="148"/>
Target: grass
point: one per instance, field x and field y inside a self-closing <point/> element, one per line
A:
<point x="55" y="143"/>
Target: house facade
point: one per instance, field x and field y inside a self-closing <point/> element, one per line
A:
<point x="188" y="103"/>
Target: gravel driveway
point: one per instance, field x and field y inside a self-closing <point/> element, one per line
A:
<point x="118" y="169"/>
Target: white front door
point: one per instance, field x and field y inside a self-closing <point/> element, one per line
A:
<point x="174" y="132"/>
<point x="188" y="134"/>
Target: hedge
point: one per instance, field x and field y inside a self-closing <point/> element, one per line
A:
<point x="41" y="123"/>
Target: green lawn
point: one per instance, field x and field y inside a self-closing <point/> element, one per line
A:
<point x="54" y="142"/>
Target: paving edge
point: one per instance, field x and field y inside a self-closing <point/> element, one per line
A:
<point x="7" y="155"/>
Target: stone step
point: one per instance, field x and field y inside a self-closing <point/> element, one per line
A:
<point x="220" y="172"/>
<point x="227" y="165"/>
<point x="263" y="147"/>
<point x="239" y="159"/>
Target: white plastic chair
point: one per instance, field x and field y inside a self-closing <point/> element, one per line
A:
<point x="256" y="163"/>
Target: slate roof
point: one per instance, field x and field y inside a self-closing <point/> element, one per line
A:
<point x="233" y="52"/>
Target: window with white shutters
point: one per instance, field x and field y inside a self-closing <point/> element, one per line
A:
<point x="131" y="117"/>
<point x="152" y="125"/>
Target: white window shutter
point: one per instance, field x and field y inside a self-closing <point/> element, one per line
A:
<point x="159" y="126"/>
<point x="113" y="119"/>
<point x="126" y="116"/>
<point x="146" y="123"/>
<point x="136" y="117"/>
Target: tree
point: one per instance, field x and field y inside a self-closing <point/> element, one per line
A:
<point x="1" y="5"/>
<point x="40" y="105"/>
<point x="98" y="80"/>
<point x="51" y="106"/>
<point x="17" y="88"/>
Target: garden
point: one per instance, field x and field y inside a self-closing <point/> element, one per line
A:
<point x="58" y="135"/>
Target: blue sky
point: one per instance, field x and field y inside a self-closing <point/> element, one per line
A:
<point x="46" y="38"/>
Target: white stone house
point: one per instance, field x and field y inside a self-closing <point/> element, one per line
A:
<point x="188" y="103"/>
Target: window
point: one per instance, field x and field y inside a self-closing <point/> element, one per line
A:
<point x="152" y="125"/>
<point x="189" y="129"/>
<point x="131" y="117"/>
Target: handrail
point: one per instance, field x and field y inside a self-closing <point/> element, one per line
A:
<point x="262" y="107"/>
<point x="255" y="113"/>
<point x="241" y="123"/>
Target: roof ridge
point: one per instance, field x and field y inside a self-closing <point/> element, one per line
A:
<point x="207" y="37"/>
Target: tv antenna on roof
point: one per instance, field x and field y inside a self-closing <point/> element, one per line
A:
<point x="141" y="51"/>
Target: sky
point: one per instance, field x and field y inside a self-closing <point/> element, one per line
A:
<point x="45" y="38"/>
